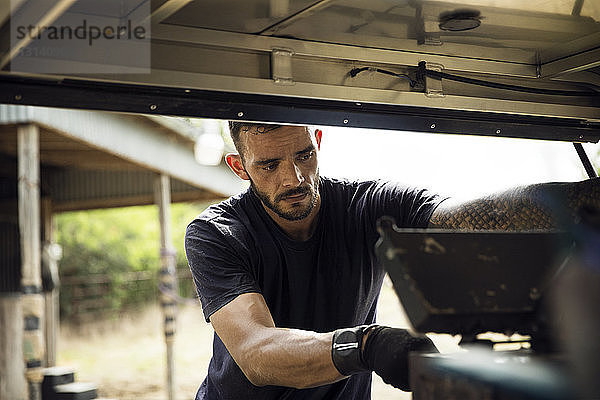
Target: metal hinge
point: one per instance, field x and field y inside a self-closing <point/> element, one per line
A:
<point x="433" y="86"/>
<point x="281" y="66"/>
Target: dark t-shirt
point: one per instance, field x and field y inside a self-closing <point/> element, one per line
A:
<point x="328" y="282"/>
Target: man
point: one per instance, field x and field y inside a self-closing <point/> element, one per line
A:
<point x="287" y="275"/>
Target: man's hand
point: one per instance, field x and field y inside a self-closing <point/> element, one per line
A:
<point x="386" y="352"/>
<point x="381" y="349"/>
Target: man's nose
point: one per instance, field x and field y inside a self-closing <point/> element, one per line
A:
<point x="292" y="176"/>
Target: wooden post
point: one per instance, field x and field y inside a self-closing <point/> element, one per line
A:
<point x="51" y="300"/>
<point x="168" y="277"/>
<point x="31" y="277"/>
<point x="12" y="379"/>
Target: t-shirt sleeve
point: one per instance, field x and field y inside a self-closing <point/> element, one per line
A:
<point x="218" y="268"/>
<point x="411" y="207"/>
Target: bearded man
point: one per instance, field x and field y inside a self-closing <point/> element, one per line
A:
<point x="287" y="275"/>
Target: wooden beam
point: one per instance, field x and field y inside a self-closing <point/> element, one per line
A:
<point x="124" y="137"/>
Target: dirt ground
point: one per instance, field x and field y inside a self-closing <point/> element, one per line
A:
<point x="126" y="357"/>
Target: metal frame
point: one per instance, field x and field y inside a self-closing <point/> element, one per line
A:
<point x="574" y="63"/>
<point x="166" y="9"/>
<point x="241" y="42"/>
<point x="210" y="73"/>
<point x="295" y="110"/>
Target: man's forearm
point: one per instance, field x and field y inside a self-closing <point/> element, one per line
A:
<point x="268" y="355"/>
<point x="289" y="357"/>
<point x="540" y="206"/>
<point x="302" y="359"/>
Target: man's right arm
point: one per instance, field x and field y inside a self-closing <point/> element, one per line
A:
<point x="268" y="355"/>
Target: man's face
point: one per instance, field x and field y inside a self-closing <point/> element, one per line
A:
<point x="283" y="170"/>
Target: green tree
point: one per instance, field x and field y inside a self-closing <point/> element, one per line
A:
<point x="114" y="243"/>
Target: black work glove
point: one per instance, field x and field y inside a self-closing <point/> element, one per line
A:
<point x="386" y="353"/>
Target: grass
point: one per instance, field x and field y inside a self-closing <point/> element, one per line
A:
<point x="125" y="357"/>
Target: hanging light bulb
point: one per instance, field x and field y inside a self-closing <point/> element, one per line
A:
<point x="209" y="146"/>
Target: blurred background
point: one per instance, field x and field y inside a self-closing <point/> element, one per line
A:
<point x="111" y="326"/>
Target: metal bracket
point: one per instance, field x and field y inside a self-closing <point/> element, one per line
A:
<point x="433" y="86"/>
<point x="432" y="33"/>
<point x="281" y="66"/>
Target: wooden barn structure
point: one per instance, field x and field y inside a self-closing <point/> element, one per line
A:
<point x="54" y="160"/>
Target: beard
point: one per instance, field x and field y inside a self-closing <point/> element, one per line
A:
<point x="297" y="211"/>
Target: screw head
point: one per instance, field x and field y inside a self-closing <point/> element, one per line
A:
<point x="432" y="126"/>
<point x="18" y="97"/>
<point x="240" y="114"/>
<point x="498" y="131"/>
<point x="345" y="121"/>
<point x="153" y="107"/>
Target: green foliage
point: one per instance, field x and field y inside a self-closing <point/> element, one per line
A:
<point x="111" y="257"/>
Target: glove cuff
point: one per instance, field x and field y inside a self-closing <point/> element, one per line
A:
<point x="346" y="350"/>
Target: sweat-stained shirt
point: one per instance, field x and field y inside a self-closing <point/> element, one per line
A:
<point x="328" y="282"/>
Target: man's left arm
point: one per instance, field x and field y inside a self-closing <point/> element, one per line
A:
<point x="539" y="206"/>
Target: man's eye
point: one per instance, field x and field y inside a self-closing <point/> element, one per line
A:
<point x="269" y="167"/>
<point x="307" y="156"/>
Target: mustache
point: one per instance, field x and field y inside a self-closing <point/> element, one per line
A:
<point x="293" y="192"/>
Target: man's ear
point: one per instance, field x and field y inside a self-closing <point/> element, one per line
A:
<point x="234" y="160"/>
<point x="318" y="135"/>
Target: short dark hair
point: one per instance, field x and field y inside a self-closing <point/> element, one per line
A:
<point x="236" y="127"/>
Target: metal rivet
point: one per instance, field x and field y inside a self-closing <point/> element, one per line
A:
<point x="18" y="97"/>
<point x="240" y="114"/>
<point x="153" y="107"/>
<point x="187" y="90"/>
<point x="580" y="136"/>
<point x="345" y="121"/>
<point x="432" y="126"/>
<point x="498" y="131"/>
<point x="359" y="104"/>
